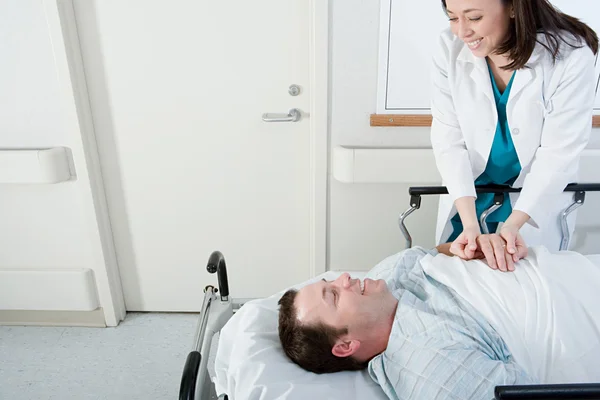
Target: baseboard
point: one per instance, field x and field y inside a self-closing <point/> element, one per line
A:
<point x="48" y="289"/>
<point x="93" y="318"/>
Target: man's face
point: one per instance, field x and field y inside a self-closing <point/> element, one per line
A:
<point x="346" y="302"/>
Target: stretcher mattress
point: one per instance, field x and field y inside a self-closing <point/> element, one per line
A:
<point x="552" y="332"/>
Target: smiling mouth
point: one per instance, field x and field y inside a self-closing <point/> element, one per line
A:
<point x="474" y="43"/>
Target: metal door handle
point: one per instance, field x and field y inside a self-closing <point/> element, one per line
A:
<point x="293" y="116"/>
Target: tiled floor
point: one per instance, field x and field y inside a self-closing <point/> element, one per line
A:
<point x="141" y="359"/>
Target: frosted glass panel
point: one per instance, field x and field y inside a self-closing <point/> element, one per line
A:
<point x="409" y="33"/>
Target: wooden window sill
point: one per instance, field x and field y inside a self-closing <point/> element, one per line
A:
<point x="424" y="120"/>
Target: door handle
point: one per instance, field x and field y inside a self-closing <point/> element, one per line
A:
<point x="293" y="115"/>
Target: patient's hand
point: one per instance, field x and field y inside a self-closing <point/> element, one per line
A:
<point x="445" y="248"/>
<point x="493" y="248"/>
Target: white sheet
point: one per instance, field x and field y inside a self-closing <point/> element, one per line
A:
<point x="250" y="363"/>
<point x="561" y="340"/>
<point x="548" y="310"/>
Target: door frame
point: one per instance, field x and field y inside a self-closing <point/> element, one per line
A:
<point x="69" y="64"/>
<point x="319" y="134"/>
<point x="100" y="254"/>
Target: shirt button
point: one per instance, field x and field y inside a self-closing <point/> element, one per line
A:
<point x="515" y="131"/>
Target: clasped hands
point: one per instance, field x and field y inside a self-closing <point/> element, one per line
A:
<point x="501" y="251"/>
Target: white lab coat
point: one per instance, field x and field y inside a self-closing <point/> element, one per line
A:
<point x="549" y="113"/>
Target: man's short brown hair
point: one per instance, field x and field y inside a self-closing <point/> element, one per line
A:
<point x="310" y="346"/>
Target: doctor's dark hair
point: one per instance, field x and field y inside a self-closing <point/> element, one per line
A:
<point x="540" y="16"/>
<point x="310" y="346"/>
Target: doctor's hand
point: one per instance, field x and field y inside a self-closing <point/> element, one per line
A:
<point x="493" y="247"/>
<point x="465" y="245"/>
<point x="515" y="245"/>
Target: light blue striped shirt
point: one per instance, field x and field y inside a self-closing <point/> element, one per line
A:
<point x="440" y="347"/>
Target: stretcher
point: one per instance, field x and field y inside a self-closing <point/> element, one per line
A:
<point x="218" y="307"/>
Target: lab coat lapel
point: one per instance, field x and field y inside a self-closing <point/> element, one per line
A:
<point x="479" y="74"/>
<point x="520" y="81"/>
<point x="481" y="77"/>
<point x="484" y="113"/>
<point x="524" y="76"/>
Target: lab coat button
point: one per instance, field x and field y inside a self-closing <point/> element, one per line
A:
<point x="515" y="131"/>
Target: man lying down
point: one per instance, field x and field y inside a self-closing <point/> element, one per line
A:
<point x="431" y="326"/>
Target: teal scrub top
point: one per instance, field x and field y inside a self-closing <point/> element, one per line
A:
<point x="503" y="167"/>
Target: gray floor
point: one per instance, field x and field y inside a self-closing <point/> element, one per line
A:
<point x="141" y="359"/>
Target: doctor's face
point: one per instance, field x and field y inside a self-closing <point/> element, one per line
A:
<point x="482" y="24"/>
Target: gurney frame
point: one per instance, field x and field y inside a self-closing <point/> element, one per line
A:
<point x="218" y="307"/>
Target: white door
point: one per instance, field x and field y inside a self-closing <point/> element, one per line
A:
<point x="178" y="90"/>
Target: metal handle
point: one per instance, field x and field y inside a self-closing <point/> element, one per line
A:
<point x="578" y="199"/>
<point x="216" y="263"/>
<point x="498" y="200"/>
<point x="187" y="388"/>
<point x="293" y="116"/>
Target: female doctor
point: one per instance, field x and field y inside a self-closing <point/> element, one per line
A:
<point x="513" y="94"/>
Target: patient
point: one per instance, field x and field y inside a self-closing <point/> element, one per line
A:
<point x="431" y="326"/>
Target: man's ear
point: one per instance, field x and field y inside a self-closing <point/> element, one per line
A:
<point x="345" y="348"/>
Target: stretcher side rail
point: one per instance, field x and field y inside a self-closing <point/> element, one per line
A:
<point x="548" y="392"/>
<point x="579" y="190"/>
<point x="215" y="312"/>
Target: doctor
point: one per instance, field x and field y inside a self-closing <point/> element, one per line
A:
<point x="513" y="93"/>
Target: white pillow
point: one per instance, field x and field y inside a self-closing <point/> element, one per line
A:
<point x="250" y="362"/>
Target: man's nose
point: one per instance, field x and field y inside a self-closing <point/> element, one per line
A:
<point x="345" y="281"/>
<point x="342" y="279"/>
<point x="350" y="282"/>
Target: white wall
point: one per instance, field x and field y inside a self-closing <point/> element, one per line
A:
<point x="363" y="217"/>
<point x="41" y="224"/>
<point x="49" y="235"/>
<point x="47" y="226"/>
